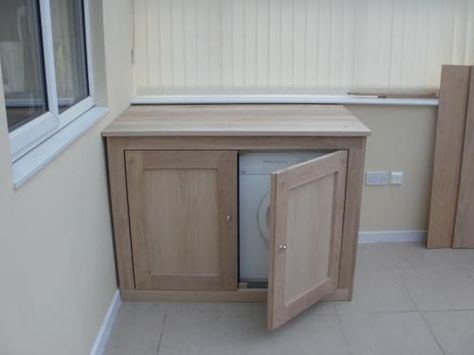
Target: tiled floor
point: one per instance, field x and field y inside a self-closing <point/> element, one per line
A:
<point x="407" y="300"/>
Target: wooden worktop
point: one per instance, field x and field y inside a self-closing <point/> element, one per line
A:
<point x="237" y="120"/>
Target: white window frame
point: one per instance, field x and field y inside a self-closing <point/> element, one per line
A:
<point x="30" y="135"/>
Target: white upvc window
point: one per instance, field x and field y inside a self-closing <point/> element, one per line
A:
<point x="46" y="68"/>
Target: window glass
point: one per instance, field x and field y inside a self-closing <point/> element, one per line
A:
<point x="67" y="17"/>
<point x="21" y="57"/>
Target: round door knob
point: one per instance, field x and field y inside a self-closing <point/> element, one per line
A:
<point x="228" y="218"/>
<point x="283" y="246"/>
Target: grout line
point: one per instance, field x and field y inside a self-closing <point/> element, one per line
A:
<point x="376" y="312"/>
<point x="401" y="276"/>
<point x="463" y="268"/>
<point x="431" y="332"/>
<point x="344" y="335"/>
<point x="162" y="332"/>
<point x="402" y="311"/>
<point x="448" y="310"/>
<point x="402" y="281"/>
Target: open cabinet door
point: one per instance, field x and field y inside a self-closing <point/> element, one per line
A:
<point x="307" y="211"/>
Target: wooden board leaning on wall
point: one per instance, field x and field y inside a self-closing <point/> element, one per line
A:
<point x="452" y="195"/>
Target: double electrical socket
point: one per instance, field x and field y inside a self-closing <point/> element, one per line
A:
<point x="382" y="178"/>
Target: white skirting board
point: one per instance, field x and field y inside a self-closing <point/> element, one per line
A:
<point x="392" y="236"/>
<point x="101" y="339"/>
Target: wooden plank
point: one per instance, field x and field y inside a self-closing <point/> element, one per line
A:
<point x="448" y="155"/>
<point x="237" y="120"/>
<point x="120" y="218"/>
<point x="464" y="229"/>
<point x="305" y="244"/>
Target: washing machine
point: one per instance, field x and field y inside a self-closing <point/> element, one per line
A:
<point x="255" y="171"/>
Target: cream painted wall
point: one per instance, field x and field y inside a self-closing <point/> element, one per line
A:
<point x="402" y="140"/>
<point x="56" y="254"/>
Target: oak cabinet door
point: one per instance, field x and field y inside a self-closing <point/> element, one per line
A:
<point x="182" y="207"/>
<point x="307" y="211"/>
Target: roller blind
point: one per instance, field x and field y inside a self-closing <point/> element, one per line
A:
<point x="320" y="46"/>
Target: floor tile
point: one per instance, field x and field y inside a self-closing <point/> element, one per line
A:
<point x="136" y="329"/>
<point x="321" y="308"/>
<point x="470" y="272"/>
<point x="207" y="334"/>
<point x="308" y="334"/>
<point x="214" y="308"/>
<point x="195" y="332"/>
<point x="408" y="256"/>
<point x="377" y="290"/>
<point x="464" y="257"/>
<point x="388" y="334"/>
<point x="469" y="268"/>
<point x="392" y="280"/>
<point x="374" y="255"/>
<point x="441" y="289"/>
<point x="454" y="330"/>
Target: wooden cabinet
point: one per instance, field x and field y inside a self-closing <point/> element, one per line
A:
<point x="173" y="181"/>
<point x="183" y="208"/>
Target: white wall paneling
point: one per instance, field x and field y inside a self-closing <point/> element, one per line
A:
<point x="297" y="46"/>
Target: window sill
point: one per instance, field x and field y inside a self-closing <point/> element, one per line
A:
<point x="32" y="162"/>
<point x="282" y="99"/>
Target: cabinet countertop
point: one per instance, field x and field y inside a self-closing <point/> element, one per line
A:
<point x="237" y="120"/>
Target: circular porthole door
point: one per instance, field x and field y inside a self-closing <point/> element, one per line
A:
<point x="263" y="216"/>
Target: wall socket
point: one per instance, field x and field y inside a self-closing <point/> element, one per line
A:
<point x="376" y="178"/>
<point x="396" y="177"/>
<point x="383" y="178"/>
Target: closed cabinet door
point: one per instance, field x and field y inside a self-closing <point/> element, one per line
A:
<point x="307" y="207"/>
<point x="182" y="207"/>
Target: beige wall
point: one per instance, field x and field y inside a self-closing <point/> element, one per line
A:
<point x="56" y="257"/>
<point x="402" y="140"/>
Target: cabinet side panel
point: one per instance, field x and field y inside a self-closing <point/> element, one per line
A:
<point x="120" y="217"/>
<point x="350" y="235"/>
